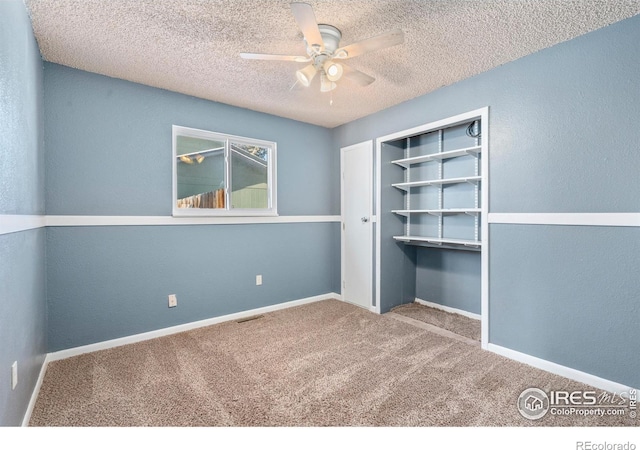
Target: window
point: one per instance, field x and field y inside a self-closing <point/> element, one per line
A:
<point x="221" y="175"/>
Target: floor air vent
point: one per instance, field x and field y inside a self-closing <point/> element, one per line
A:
<point x="247" y="319"/>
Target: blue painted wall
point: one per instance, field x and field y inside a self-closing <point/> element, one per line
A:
<point x="569" y="295"/>
<point x="451" y="277"/>
<point x="109" y="147"/>
<point x="22" y="274"/>
<point x="109" y="153"/>
<point x="564" y="138"/>
<point x="397" y="261"/>
<point x="108" y="282"/>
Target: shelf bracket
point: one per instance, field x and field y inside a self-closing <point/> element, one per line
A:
<point x="473" y="153"/>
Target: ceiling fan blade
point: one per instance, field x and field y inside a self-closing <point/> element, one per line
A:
<point x="275" y="57"/>
<point x="356" y="76"/>
<point x="306" y="19"/>
<point x="388" y="39"/>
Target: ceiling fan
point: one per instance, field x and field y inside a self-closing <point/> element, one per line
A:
<point x="323" y="53"/>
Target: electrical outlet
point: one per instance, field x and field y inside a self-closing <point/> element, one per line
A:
<point x="258" y="280"/>
<point x="14" y="375"/>
<point x="173" y="300"/>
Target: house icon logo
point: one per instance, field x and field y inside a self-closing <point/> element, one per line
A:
<point x="533" y="403"/>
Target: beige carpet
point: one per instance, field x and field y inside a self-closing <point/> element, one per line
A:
<point x="456" y="323"/>
<point x="321" y="364"/>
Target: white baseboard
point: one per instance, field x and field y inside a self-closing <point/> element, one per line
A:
<point x="557" y="369"/>
<point x="63" y="354"/>
<point x="448" y="309"/>
<point x="34" y="394"/>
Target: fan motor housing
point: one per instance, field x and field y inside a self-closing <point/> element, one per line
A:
<point x="330" y="37"/>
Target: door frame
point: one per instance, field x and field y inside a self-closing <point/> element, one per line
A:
<point x="372" y="219"/>
<point x="483" y="115"/>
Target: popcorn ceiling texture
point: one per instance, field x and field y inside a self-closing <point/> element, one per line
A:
<point x="193" y="46"/>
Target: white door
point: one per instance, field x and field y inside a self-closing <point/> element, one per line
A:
<point x="357" y="234"/>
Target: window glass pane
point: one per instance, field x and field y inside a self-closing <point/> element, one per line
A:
<point x="200" y="172"/>
<point x="249" y="176"/>
<point x="222" y="175"/>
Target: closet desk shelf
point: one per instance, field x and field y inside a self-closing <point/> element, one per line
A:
<point x="407" y="186"/>
<point x="438" y="241"/>
<point x="407" y="162"/>
<point x="438" y="212"/>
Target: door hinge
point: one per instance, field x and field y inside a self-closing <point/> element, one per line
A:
<point x="342" y="226"/>
<point x="344" y="284"/>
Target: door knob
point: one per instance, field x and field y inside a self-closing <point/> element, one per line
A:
<point x="365" y="219"/>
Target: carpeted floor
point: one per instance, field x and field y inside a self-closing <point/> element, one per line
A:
<point x="322" y="364"/>
<point x="456" y="323"/>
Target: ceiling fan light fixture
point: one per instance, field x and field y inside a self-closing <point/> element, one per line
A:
<point x="326" y="85"/>
<point x="199" y="158"/>
<point x="322" y="42"/>
<point x="186" y="159"/>
<point x="306" y="74"/>
<point x="333" y="70"/>
<point x="342" y="54"/>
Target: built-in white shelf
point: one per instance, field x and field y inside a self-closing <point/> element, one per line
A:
<point x="438" y="241"/>
<point x="429" y="205"/>
<point x="407" y="162"/>
<point x="412" y="184"/>
<point x="438" y="212"/>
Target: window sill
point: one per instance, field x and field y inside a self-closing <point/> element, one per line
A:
<point x="189" y="212"/>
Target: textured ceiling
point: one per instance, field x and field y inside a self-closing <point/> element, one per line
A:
<point x="193" y="46"/>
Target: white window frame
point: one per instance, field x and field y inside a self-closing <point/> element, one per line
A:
<point x="271" y="210"/>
